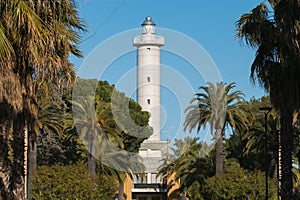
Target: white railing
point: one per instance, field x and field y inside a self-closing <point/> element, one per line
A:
<point x="148" y="39"/>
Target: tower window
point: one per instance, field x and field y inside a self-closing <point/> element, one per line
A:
<point x="148" y="49"/>
<point x="148" y="79"/>
<point x="148" y="101"/>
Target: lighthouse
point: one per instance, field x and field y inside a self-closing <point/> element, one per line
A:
<point x="148" y="73"/>
<point x="153" y="151"/>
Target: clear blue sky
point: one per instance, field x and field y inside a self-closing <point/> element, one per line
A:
<point x="209" y="23"/>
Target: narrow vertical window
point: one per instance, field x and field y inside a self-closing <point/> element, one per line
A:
<point x="148" y="101"/>
<point x="148" y="79"/>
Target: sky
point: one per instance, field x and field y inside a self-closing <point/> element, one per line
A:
<point x="210" y="25"/>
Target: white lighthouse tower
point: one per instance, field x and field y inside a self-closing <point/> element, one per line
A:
<point x="153" y="150"/>
<point x="148" y="73"/>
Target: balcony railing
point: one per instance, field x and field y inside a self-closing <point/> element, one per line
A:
<point x="148" y="39"/>
<point x="149" y="185"/>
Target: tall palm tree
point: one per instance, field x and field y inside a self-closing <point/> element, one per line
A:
<point x="88" y="127"/>
<point x="276" y="67"/>
<point x="94" y="120"/>
<point x="37" y="38"/>
<point x="217" y="106"/>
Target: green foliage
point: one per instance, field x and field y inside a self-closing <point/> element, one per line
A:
<point x="56" y="138"/>
<point x="92" y="101"/>
<point x="275" y="37"/>
<point x="36" y="40"/>
<point x="192" y="164"/>
<point x="218" y="107"/>
<point x="52" y="149"/>
<point x="119" y="117"/>
<point x="195" y="191"/>
<point x="70" y="183"/>
<point x="248" y="145"/>
<point x="238" y="183"/>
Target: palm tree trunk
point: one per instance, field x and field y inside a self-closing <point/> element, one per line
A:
<point x="32" y="163"/>
<point x="18" y="174"/>
<point x="26" y="160"/>
<point x="32" y="156"/>
<point x="121" y="191"/>
<point x="5" y="158"/>
<point x="287" y="140"/>
<point x="4" y="176"/>
<point x="91" y="158"/>
<point x="183" y="197"/>
<point x="91" y="165"/>
<point x="5" y="185"/>
<point x="219" y="152"/>
<point x="274" y="166"/>
<point x="279" y="167"/>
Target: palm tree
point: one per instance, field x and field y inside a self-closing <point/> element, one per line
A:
<point x="50" y="118"/>
<point x="218" y="107"/>
<point x="36" y="39"/>
<point x="88" y="127"/>
<point x="184" y="170"/>
<point x="116" y="143"/>
<point x="255" y="138"/>
<point x="276" y="67"/>
<point x="94" y="120"/>
<point x="174" y="173"/>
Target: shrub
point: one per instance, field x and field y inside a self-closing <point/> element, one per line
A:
<point x="238" y="183"/>
<point x="70" y="182"/>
